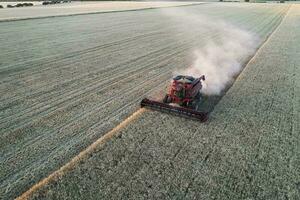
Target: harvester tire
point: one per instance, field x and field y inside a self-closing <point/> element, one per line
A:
<point x="167" y="99"/>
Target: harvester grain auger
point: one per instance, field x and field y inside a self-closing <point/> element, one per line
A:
<point x="183" y="98"/>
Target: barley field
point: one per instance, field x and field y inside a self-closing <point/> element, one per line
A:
<point x="67" y="81"/>
<point x="248" y="150"/>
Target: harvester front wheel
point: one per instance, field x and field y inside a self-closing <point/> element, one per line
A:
<point x="167" y="99"/>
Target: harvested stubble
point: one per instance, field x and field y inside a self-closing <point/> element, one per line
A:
<point x="67" y="81"/>
<point x="248" y="150"/>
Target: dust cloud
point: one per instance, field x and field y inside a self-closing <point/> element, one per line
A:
<point x="222" y="52"/>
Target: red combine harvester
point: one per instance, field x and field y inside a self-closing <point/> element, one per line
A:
<point x="185" y="93"/>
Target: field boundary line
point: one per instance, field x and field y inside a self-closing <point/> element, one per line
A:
<point x="82" y="155"/>
<point x="99" y="12"/>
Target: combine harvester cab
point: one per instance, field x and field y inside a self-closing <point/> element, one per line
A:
<point x="185" y="93"/>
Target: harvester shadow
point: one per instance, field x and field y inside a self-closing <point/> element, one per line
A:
<point x="208" y="103"/>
